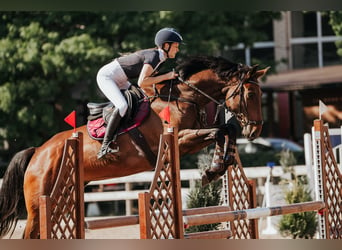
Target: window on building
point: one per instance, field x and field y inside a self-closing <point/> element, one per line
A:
<point x="303" y="24"/>
<point x="263" y="55"/>
<point x="304" y="55"/>
<point x="330" y="56"/>
<point x="312" y="41"/>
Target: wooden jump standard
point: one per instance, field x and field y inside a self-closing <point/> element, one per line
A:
<point x="163" y="210"/>
<point x="194" y="216"/>
<point x="161" y="215"/>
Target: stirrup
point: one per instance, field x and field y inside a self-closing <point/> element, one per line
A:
<point x="106" y="150"/>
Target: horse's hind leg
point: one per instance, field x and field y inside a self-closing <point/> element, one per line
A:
<point x="32" y="192"/>
<point x="32" y="205"/>
<point x="32" y="226"/>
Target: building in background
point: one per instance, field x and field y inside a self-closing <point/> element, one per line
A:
<point x="308" y="69"/>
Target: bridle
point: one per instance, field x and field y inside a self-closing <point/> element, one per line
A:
<point x="241" y="116"/>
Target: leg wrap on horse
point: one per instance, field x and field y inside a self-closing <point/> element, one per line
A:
<point x="217" y="161"/>
<point x="110" y="135"/>
<point x="218" y="166"/>
<point x="224" y="154"/>
<point x="229" y="157"/>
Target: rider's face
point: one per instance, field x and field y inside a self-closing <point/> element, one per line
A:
<point x="174" y="48"/>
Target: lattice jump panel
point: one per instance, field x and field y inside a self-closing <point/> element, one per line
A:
<point x="160" y="208"/>
<point x="239" y="193"/>
<point x="64" y="206"/>
<point x="331" y="182"/>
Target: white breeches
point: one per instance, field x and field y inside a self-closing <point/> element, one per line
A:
<point x="111" y="79"/>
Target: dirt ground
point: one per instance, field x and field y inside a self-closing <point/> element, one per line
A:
<point x="125" y="232"/>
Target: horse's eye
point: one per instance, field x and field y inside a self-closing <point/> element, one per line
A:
<point x="250" y="94"/>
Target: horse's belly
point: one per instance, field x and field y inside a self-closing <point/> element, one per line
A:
<point x="104" y="169"/>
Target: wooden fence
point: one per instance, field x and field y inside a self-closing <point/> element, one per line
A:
<point x="62" y="212"/>
<point x="160" y="212"/>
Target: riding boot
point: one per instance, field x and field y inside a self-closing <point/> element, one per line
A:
<point x="110" y="135"/>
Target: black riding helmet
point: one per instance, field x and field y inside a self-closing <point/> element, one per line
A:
<point x="167" y="35"/>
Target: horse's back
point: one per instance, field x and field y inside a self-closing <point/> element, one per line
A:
<point x="43" y="168"/>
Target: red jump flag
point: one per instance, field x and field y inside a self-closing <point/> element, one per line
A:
<point x="71" y="119"/>
<point x="165" y="114"/>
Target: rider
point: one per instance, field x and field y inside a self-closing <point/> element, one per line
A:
<point x="143" y="64"/>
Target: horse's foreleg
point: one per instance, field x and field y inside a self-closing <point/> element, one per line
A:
<point x="229" y="157"/>
<point x="218" y="166"/>
<point x="224" y="154"/>
<point x="193" y="140"/>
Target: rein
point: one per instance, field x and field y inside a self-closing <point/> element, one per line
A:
<point x="240" y="116"/>
<point x="219" y="105"/>
<point x="199" y="91"/>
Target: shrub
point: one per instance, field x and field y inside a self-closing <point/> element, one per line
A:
<point x="209" y="195"/>
<point x="299" y="225"/>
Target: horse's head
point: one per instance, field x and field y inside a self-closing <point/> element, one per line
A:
<point x="243" y="99"/>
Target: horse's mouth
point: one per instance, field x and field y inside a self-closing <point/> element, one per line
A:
<point x="251" y="132"/>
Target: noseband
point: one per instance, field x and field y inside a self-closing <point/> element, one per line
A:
<point x="242" y="116"/>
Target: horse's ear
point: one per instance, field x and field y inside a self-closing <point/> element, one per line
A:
<point x="261" y="72"/>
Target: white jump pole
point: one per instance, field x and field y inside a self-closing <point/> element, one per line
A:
<point x="309" y="162"/>
<point x="269" y="227"/>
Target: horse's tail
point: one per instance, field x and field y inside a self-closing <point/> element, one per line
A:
<point x="12" y="203"/>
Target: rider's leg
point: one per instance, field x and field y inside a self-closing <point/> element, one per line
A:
<point x="110" y="135"/>
<point x="111" y="89"/>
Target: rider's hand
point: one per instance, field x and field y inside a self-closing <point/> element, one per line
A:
<point x="171" y="75"/>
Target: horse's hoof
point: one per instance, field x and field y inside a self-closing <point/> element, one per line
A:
<point x="230" y="160"/>
<point x="205" y="180"/>
<point x="208" y="177"/>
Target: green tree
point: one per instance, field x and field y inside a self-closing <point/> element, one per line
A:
<point x="49" y="60"/>
<point x="40" y="71"/>
<point x="336" y="24"/>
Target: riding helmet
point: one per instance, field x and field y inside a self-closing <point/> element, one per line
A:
<point x="167" y="35"/>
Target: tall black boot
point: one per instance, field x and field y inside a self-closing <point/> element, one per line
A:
<point x="110" y="134"/>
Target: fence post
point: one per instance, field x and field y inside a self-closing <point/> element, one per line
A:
<point x="44" y="217"/>
<point x="174" y="151"/>
<point x="128" y="203"/>
<point x="79" y="182"/>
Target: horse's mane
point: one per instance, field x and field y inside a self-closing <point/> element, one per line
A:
<point x="221" y="66"/>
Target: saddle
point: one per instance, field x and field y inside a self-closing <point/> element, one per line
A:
<point x="99" y="113"/>
<point x="137" y="111"/>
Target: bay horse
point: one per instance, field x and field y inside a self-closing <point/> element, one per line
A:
<point x="32" y="172"/>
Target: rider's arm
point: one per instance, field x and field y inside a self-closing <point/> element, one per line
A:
<point x="145" y="78"/>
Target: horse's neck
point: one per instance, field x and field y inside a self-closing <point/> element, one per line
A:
<point x="205" y="91"/>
